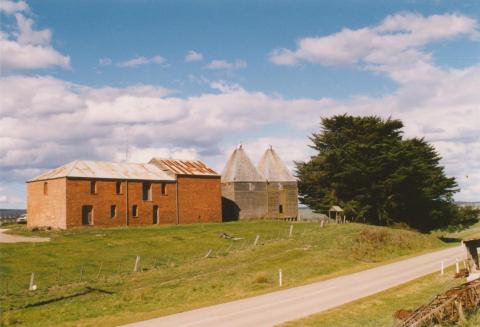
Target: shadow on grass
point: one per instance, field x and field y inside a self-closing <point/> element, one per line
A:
<point x="450" y="239"/>
<point x="87" y="290"/>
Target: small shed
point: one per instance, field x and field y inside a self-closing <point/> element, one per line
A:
<point x="473" y="264"/>
<point x="337" y="213"/>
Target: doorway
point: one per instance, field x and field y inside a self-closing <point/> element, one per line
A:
<point x="155" y="215"/>
<point x="87" y="215"/>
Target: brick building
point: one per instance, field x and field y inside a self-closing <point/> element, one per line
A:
<point x="118" y="194"/>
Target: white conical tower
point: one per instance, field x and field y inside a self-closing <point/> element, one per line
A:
<point x="273" y="169"/>
<point x="239" y="168"/>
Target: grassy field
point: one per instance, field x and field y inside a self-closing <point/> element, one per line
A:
<point x="85" y="277"/>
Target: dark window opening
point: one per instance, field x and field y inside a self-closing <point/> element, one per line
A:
<point x="93" y="187"/>
<point x="147" y="191"/>
<point x="118" y="187"/>
<point x="164" y="188"/>
<point x="134" y="210"/>
<point x="155" y="214"/>
<point x="113" y="211"/>
<point x="280" y="208"/>
<point x="87" y="215"/>
<point x="45" y="188"/>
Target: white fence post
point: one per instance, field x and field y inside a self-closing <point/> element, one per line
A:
<point x="137" y="264"/>
<point x="32" y="286"/>
<point x="280" y="278"/>
<point x="291" y="231"/>
<point x="256" y="240"/>
<point x="442" y="268"/>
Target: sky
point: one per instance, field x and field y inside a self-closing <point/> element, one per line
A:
<point x="129" y="80"/>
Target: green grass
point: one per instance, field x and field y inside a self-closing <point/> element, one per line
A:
<point x="175" y="275"/>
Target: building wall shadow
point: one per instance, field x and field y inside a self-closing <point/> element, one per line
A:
<point x="230" y="210"/>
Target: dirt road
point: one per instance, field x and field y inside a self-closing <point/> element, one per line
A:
<point x="7" y="238"/>
<point x="294" y="303"/>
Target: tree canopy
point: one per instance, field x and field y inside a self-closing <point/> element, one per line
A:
<point x="365" y="165"/>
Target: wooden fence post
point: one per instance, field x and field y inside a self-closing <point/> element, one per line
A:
<point x="280" y="278"/>
<point x="290" y="232"/>
<point x="137" y="264"/>
<point x="32" y="286"/>
<point x="81" y="273"/>
<point x="442" y="268"/>
<point x="256" y="240"/>
<point x="100" y="270"/>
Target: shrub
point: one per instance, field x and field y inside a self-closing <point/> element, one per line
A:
<point x="261" y="277"/>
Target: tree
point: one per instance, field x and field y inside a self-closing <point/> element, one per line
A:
<point x="365" y="165"/>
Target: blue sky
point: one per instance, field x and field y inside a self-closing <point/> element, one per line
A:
<point x="266" y="71"/>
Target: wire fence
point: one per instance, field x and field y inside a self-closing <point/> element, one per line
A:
<point x="105" y="272"/>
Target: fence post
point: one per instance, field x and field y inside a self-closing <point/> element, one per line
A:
<point x="280" y="278"/>
<point x="457" y="266"/>
<point x="208" y="253"/>
<point x="256" y="240"/>
<point x="81" y="273"/>
<point x="291" y="231"/>
<point x="442" y="268"/>
<point x="100" y="269"/>
<point x="137" y="264"/>
<point x="321" y="223"/>
<point x="32" y="286"/>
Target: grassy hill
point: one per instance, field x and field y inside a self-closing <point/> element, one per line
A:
<point x="85" y="276"/>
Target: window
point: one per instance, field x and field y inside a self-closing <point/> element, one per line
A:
<point x="118" y="187"/>
<point x="93" y="187"/>
<point x="45" y="188"/>
<point x="147" y="191"/>
<point x="280" y="208"/>
<point x="134" y="210"/>
<point x="164" y="188"/>
<point x="113" y="211"/>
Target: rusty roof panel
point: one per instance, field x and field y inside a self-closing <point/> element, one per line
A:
<point x="184" y="167"/>
<point x="108" y="170"/>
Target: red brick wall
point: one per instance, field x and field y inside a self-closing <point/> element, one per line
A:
<point x="199" y="199"/>
<point x="78" y="194"/>
<point x="46" y="210"/>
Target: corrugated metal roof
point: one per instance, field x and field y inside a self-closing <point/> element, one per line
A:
<point x="184" y="167"/>
<point x="239" y="168"/>
<point x="273" y="169"/>
<point x="109" y="170"/>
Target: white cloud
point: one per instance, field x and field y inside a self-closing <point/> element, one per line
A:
<point x="105" y="61"/>
<point x="226" y="65"/>
<point x="139" y="61"/>
<point x="393" y="47"/>
<point x="11" y="7"/>
<point x="45" y="121"/>
<point x="27" y="48"/>
<point x="193" y="56"/>
<point x="29" y="36"/>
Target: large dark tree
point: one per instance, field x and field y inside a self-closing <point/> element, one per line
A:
<point x="365" y="165"/>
